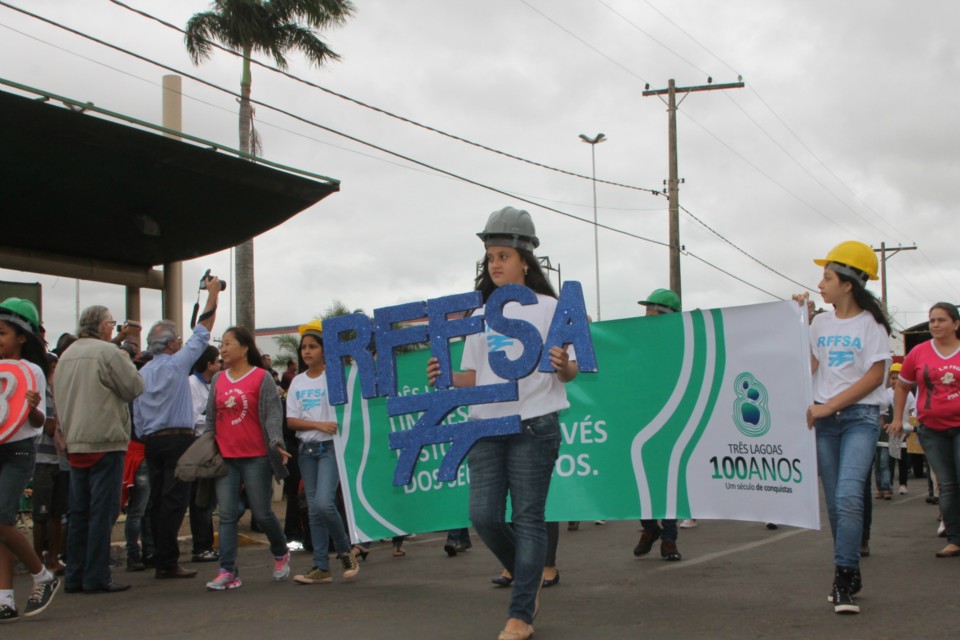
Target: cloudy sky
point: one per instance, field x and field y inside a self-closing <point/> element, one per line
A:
<point x="846" y="129"/>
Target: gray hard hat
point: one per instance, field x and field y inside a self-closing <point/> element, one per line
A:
<point x="509" y="227"/>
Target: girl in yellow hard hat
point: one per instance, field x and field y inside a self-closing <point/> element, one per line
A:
<point x="313" y="418"/>
<point x="849" y="355"/>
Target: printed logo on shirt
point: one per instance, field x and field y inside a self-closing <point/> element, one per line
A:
<point x="838" y="358"/>
<point x="497" y="342"/>
<point x="311" y="398"/>
<point x="845" y="353"/>
<point x="947" y="378"/>
<point x="237" y="397"/>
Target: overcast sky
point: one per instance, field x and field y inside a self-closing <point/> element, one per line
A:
<point x="846" y="129"/>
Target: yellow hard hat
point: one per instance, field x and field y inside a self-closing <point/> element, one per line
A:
<point x="861" y="259"/>
<point x="315" y="327"/>
<point x="895" y="367"/>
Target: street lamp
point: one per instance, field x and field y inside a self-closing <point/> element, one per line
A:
<point x="593" y="142"/>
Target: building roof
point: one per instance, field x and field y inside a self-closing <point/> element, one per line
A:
<point x="78" y="186"/>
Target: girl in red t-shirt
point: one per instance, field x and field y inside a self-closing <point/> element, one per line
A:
<point x="934" y="366"/>
<point x="244" y="410"/>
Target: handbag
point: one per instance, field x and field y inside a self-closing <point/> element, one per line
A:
<point x="202" y="460"/>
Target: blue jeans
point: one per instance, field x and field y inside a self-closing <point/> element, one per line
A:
<point x="943" y="454"/>
<point x="882" y="471"/>
<point x="256" y="475"/>
<point x="520" y="465"/>
<point x="318" y="468"/>
<point x="845" y="448"/>
<point x="134" y="530"/>
<point x="94" y="507"/>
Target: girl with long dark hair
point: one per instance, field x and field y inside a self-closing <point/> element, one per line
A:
<point x="849" y="356"/>
<point x="519" y="465"/>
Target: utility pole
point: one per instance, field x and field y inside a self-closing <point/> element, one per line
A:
<point x="883" y="251"/>
<point x="673" y="184"/>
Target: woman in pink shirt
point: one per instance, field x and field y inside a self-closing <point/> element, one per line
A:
<point x="934" y="366"/>
<point x="245" y="412"/>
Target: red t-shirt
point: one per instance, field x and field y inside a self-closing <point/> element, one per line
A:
<point x="239" y="433"/>
<point x="938" y="385"/>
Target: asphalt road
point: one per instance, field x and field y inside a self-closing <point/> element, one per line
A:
<point x="736" y="580"/>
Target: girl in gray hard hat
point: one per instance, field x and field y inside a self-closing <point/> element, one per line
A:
<point x="520" y="464"/>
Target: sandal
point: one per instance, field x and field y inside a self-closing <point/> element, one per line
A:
<point x="398" y="552"/>
<point x="360" y="551"/>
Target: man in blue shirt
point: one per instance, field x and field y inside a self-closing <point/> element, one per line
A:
<point x="164" y="420"/>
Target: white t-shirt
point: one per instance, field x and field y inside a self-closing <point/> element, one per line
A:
<point x="307" y="399"/>
<point x="540" y="393"/>
<point x="846" y="349"/>
<point x="199" y="392"/>
<point x="28" y="430"/>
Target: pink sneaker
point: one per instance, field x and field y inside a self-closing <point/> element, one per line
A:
<point x="224" y="580"/>
<point x="281" y="567"/>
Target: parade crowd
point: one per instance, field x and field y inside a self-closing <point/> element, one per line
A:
<point x="108" y="429"/>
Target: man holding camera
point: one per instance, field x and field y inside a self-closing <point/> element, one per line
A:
<point x="164" y="420"/>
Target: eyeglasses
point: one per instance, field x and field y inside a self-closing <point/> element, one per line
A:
<point x="112" y="323"/>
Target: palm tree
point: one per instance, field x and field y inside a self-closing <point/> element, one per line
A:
<point x="274" y="28"/>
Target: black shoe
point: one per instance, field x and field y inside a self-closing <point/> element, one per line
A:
<point x="110" y="587"/>
<point x="502" y="581"/>
<point x="150" y="562"/>
<point x="552" y="581"/>
<point x="463" y="547"/>
<point x="8" y="614"/>
<point x="175" y="572"/>
<point x="135" y="564"/>
<point x="451" y="549"/>
<point x="669" y="551"/>
<point x="845" y="583"/>
<point x="772" y="526"/>
<point x="41" y="597"/>
<point x="647" y="538"/>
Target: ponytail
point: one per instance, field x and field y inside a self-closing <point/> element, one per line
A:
<point x="866" y="300"/>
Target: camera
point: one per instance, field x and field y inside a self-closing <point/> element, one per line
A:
<point x="133" y="324"/>
<point x="206" y="276"/>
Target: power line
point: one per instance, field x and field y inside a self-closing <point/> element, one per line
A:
<point x="381" y="110"/>
<point x="369" y="144"/>
<point x="749" y="255"/>
<point x="318" y="125"/>
<point x="580" y="40"/>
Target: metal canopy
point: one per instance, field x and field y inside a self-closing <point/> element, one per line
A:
<point x="75" y="187"/>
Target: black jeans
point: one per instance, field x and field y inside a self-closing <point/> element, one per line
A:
<point x="201" y="520"/>
<point x="168" y="496"/>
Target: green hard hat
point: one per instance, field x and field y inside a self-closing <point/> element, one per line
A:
<point x="22" y="313"/>
<point x="663" y="300"/>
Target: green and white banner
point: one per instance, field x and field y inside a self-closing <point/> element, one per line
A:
<point x="699" y="414"/>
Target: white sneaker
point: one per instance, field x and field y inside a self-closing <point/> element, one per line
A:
<point x="688" y="524"/>
<point x="903" y="489"/>
<point x="600" y="522"/>
<point x="941" y="530"/>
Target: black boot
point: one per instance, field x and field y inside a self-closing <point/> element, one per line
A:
<point x="846" y="582"/>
